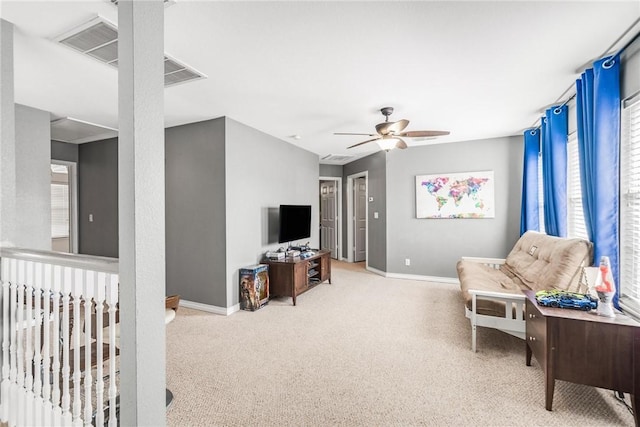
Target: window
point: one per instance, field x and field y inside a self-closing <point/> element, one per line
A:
<point x="630" y="206"/>
<point x="576" y="226"/>
<point x="60" y="212"/>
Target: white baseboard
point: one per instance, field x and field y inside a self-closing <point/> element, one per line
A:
<point x="225" y="311"/>
<point x="419" y="277"/>
<point x="376" y="271"/>
<point x="438" y="279"/>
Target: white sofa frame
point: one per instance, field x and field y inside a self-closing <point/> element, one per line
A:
<point x="512" y="323"/>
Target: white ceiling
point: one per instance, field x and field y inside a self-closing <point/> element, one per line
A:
<point x="478" y="69"/>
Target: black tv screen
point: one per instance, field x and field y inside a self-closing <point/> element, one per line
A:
<point x="295" y="223"/>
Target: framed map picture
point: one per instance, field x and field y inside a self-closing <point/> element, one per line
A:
<point x="455" y="195"/>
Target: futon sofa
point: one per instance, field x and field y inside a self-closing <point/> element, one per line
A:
<point x="493" y="288"/>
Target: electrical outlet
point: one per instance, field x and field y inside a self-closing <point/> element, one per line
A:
<point x="90" y="217"/>
<point x="407" y="262"/>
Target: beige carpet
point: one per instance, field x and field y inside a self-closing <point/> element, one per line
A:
<point x="366" y="350"/>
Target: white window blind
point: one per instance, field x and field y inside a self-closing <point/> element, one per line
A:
<point x="59" y="202"/>
<point x="630" y="205"/>
<point x="576" y="226"/>
<point x="540" y="195"/>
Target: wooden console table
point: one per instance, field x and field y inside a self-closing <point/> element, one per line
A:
<point x="584" y="348"/>
<point x="293" y="276"/>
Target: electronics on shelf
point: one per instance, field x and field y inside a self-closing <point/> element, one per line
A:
<point x="275" y="256"/>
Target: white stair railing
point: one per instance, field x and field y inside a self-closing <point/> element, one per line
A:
<point x="56" y="359"/>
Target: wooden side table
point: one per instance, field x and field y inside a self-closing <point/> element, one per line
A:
<point x="584" y="348"/>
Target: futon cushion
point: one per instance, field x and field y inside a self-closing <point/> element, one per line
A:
<point x="538" y="261"/>
<point x="477" y="276"/>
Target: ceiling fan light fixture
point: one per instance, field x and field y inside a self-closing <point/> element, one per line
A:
<point x="387" y="143"/>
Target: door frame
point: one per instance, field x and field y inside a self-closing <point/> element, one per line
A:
<point x="350" y="231"/>
<point x="338" y="181"/>
<point x="73" y="202"/>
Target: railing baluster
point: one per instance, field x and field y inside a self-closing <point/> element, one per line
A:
<point x="4" y="388"/>
<point x="77" y="330"/>
<point x="13" y="347"/>
<point x="46" y="350"/>
<point x="87" y="291"/>
<point x="66" y="369"/>
<point x="19" y="337"/>
<point x="100" y="285"/>
<point x="38" y="330"/>
<point x="55" y="375"/>
<point x="4" y="277"/>
<point x="112" y="303"/>
<point x="28" y="326"/>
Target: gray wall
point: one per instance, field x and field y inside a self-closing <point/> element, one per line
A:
<point x="221" y="179"/>
<point x="98" y="196"/>
<point x="33" y="178"/>
<point x="263" y="172"/>
<point x="435" y="245"/>
<point x="64" y="151"/>
<point x="331" y="170"/>
<point x="195" y="212"/>
<point x="375" y="165"/>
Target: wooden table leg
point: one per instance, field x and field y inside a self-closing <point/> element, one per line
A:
<point x="549" y="385"/>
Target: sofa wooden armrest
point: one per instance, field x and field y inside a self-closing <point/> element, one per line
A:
<point x="512" y="321"/>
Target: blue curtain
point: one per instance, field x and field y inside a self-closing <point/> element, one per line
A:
<point x="598" y="111"/>
<point x="529" y="213"/>
<point x="555" y="127"/>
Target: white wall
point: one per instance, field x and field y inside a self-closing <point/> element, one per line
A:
<point x="33" y="179"/>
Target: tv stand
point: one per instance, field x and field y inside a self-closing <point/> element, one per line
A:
<point x="293" y="276"/>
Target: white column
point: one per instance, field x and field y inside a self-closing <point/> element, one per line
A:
<point x="7" y="138"/>
<point x="141" y="212"/>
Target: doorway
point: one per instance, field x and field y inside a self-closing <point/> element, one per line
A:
<point x="357" y="212"/>
<point x="64" y="224"/>
<point x="330" y="208"/>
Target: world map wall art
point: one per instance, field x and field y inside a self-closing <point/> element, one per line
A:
<point x="455" y="195"/>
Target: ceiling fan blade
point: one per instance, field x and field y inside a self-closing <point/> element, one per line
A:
<point x="391" y="128"/>
<point x="383" y="128"/>
<point x="424" y="133"/>
<point x="350" y="133"/>
<point x="364" y="142"/>
<point x="397" y="127"/>
<point x="401" y="144"/>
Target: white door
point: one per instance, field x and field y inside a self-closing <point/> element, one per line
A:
<point x="328" y="218"/>
<point x="360" y="219"/>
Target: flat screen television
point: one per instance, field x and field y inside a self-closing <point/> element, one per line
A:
<point x="295" y="223"/>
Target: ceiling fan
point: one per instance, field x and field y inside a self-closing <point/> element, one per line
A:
<point x="390" y="134"/>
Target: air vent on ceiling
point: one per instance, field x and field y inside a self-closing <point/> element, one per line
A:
<point x="76" y="131"/>
<point x="98" y="38"/>
<point x="336" y="158"/>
